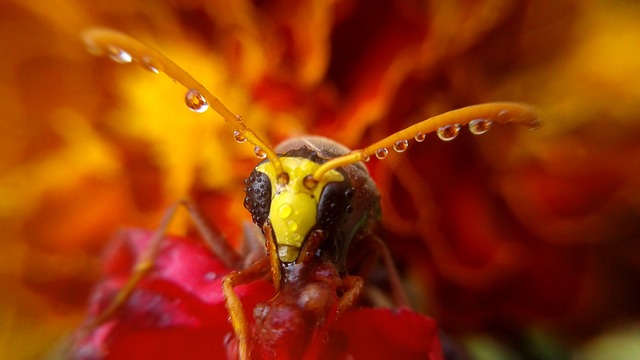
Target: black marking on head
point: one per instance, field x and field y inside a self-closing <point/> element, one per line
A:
<point x="306" y="153"/>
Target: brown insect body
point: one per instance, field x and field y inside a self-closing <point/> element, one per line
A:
<point x="307" y="302"/>
<point x="311" y="289"/>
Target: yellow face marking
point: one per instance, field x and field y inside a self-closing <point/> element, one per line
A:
<point x="293" y="206"/>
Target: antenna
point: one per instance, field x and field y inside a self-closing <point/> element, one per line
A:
<point x="124" y="49"/>
<point x="478" y="117"/>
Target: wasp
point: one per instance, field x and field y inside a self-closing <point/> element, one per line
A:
<point x="314" y="202"/>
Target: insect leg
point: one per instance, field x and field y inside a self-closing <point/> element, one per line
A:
<point x="399" y="294"/>
<point x="238" y="319"/>
<point x="353" y="286"/>
<point x="140" y="270"/>
<point x="310" y="246"/>
<point x="211" y="236"/>
<point x="144" y="265"/>
<point x="272" y="255"/>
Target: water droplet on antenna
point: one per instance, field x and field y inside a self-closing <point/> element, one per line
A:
<point x="118" y="55"/>
<point x="195" y="101"/>
<point x="239" y="137"/>
<point x="401" y="146"/>
<point x="420" y="137"/>
<point x="535" y="125"/>
<point x="147" y="64"/>
<point x="260" y="154"/>
<point x="479" y="126"/>
<point x="382" y="153"/>
<point x="448" y="132"/>
<point x="93" y="49"/>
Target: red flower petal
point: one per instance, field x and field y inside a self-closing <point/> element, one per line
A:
<point x="382" y="333"/>
<point x="178" y="311"/>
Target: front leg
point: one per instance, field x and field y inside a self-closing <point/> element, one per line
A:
<point x="352" y="286"/>
<point x="234" y="306"/>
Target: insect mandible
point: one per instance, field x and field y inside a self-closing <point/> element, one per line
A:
<point x="312" y="198"/>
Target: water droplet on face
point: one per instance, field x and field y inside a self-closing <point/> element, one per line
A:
<point x="401" y="146"/>
<point x="260" y="154"/>
<point x="118" y="55"/>
<point x="195" y="101"/>
<point x="382" y="153"/>
<point x="292" y="225"/>
<point x="284" y="211"/>
<point x="238" y="137"/>
<point x="479" y="126"/>
<point x="349" y="193"/>
<point x="448" y="132"/>
<point x="147" y="64"/>
<point x="420" y="137"/>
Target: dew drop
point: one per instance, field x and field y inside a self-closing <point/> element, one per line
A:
<point x="93" y="49"/>
<point x="366" y="158"/>
<point x="118" y="55"/>
<point x="382" y="153"/>
<point x="420" y="137"/>
<point x="260" y="154"/>
<point x="448" y="132"/>
<point x="210" y="276"/>
<point x="292" y="225"/>
<point x="535" y="125"/>
<point x="479" y="126"/>
<point x="195" y="101"/>
<point x="401" y="146"/>
<point x="146" y="64"/>
<point x="503" y="113"/>
<point x="239" y="137"/>
<point x="349" y="193"/>
<point x="228" y="338"/>
<point x="284" y="211"/>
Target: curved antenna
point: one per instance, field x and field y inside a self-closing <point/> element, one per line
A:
<point x="478" y="117"/>
<point x="124" y="49"/>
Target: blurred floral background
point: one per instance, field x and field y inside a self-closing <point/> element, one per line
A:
<point x="523" y="245"/>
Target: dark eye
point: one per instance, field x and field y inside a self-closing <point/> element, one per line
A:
<point x="258" y="196"/>
<point x="332" y="204"/>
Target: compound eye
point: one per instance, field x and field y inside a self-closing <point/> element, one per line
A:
<point x="258" y="196"/>
<point x="334" y="205"/>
